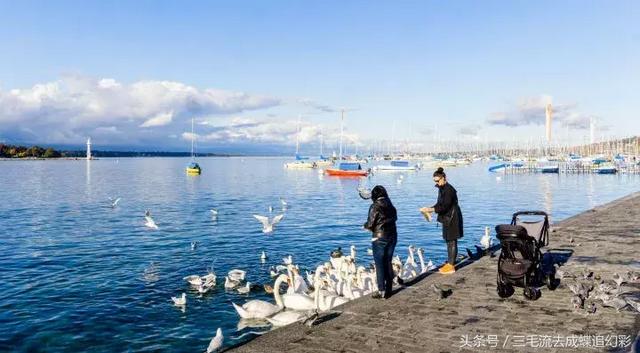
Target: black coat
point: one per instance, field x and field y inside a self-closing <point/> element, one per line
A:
<point x="382" y="219"/>
<point x="449" y="213"/>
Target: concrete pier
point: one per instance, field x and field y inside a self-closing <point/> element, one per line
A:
<point x="474" y="319"/>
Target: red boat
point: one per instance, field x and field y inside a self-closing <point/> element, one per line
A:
<point x="348" y="169"/>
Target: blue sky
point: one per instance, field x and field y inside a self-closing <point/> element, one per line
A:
<point x="457" y="66"/>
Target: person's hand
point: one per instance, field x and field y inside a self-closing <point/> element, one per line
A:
<point x="426" y="212"/>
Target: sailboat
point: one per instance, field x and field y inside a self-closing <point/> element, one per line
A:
<point x="193" y="168"/>
<point x="300" y="162"/>
<point x="323" y="161"/>
<point x="342" y="168"/>
<point x="396" y="165"/>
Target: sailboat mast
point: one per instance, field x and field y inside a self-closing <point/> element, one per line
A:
<point x="298" y="135"/>
<point x="321" y="145"/>
<point x="341" y="131"/>
<point x="192" y="138"/>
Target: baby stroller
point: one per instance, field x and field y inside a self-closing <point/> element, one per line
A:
<point x="520" y="261"/>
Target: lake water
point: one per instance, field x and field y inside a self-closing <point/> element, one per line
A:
<point x="78" y="275"/>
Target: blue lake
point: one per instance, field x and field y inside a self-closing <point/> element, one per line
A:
<point x="78" y="275"/>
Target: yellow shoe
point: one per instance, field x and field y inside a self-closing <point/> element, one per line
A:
<point x="447" y="269"/>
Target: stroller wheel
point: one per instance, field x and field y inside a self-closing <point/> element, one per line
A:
<point x="531" y="293"/>
<point x="505" y="290"/>
<point x="550" y="281"/>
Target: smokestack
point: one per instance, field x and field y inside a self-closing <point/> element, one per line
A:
<point x="548" y="122"/>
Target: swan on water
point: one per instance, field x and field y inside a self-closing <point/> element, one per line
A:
<point x="149" y="222"/>
<point x="267" y="225"/>
<point x="260" y="309"/>
<point x="214" y="214"/>
<point x="263" y="256"/>
<point x="216" y="342"/>
<point x="284" y="204"/>
<point x="181" y="300"/>
<point x="285" y="318"/>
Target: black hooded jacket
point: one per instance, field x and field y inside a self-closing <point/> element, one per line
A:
<point x="382" y="215"/>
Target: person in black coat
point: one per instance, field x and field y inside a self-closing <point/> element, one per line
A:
<point x="382" y="223"/>
<point x="449" y="215"/>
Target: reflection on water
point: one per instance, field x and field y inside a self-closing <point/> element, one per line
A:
<point x="84" y="274"/>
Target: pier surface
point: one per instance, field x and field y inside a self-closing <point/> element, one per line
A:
<point x="474" y="319"/>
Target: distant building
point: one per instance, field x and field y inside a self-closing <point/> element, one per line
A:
<point x="89" y="149"/>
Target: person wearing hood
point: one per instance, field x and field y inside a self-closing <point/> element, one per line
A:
<point x="382" y="223"/>
<point x="449" y="215"/>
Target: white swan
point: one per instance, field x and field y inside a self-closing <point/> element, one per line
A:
<point x="285" y="318"/>
<point x="424" y="268"/>
<point x="181" y="300"/>
<point x="353" y="253"/>
<point x="324" y="301"/>
<point x="150" y="223"/>
<point x="263" y="256"/>
<point x="214" y="214"/>
<point x="486" y="240"/>
<point x="409" y="269"/>
<point x="216" y="341"/>
<point x="298" y="285"/>
<point x="260" y="309"/>
<point x="267" y="225"/>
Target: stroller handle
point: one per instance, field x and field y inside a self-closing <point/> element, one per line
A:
<point x="530" y="213"/>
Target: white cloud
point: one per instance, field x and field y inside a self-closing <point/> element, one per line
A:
<point x="158" y="120"/>
<point x="69" y="109"/>
<point x="531" y="111"/>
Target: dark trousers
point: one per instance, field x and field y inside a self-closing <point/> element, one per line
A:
<point x="382" y="254"/>
<point x="452" y="251"/>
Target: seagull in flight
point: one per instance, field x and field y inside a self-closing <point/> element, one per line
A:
<point x="267" y="225"/>
<point x="114" y="202"/>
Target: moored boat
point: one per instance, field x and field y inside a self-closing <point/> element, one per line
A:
<point x="397" y="165"/>
<point x="350" y="169"/>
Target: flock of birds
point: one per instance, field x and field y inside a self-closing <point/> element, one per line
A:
<point x="341" y="279"/>
<point x="333" y="283"/>
<point x="589" y="288"/>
